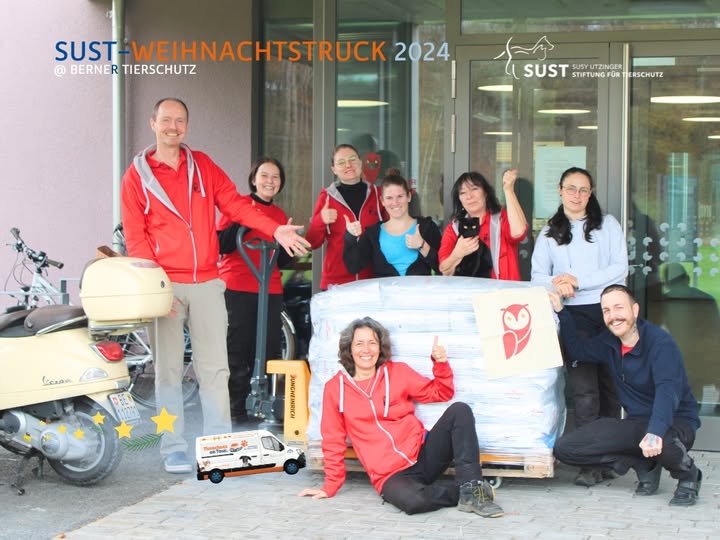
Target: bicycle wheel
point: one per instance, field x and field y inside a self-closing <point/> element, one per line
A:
<point x="142" y="370"/>
<point x="287" y="337"/>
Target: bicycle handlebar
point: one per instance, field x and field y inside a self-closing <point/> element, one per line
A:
<point x="40" y="258"/>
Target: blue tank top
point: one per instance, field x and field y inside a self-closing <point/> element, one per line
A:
<point x="395" y="250"/>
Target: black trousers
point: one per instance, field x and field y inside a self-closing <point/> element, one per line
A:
<point x="242" y="310"/>
<point x="609" y="442"/>
<point x="419" y="488"/>
<point x="593" y="388"/>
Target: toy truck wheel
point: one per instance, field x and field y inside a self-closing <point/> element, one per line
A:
<point x="291" y="466"/>
<point x="216" y="476"/>
<point x="494" y="481"/>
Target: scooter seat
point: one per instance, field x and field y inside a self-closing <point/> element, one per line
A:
<point x="49" y="318"/>
<point x="11" y="323"/>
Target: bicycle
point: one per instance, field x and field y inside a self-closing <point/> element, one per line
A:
<point x="40" y="288"/>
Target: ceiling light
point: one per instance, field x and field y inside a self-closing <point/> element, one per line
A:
<point x="685" y="100"/>
<point x="496" y="88"/>
<point x="702" y="119"/>
<point x="587" y="127"/>
<point x="498" y="133"/>
<point x="564" y="111"/>
<point x="714" y="137"/>
<point x="354" y="103"/>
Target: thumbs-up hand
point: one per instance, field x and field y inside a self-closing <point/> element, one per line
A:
<point x="439" y="353"/>
<point x="353" y="227"/>
<point x="327" y="214"/>
<point x="414" y="241"/>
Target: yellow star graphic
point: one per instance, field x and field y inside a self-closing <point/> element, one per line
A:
<point x="79" y="433"/>
<point x="62" y="428"/>
<point x="164" y="421"/>
<point x="124" y="430"/>
<point x="99" y="418"/>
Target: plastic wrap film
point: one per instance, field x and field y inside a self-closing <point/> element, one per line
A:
<point x="516" y="416"/>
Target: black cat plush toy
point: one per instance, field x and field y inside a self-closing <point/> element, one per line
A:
<point x="479" y="263"/>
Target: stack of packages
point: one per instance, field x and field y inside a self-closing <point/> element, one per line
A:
<point x="515" y="416"/>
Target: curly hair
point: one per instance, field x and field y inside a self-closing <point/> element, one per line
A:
<point x="346" y="339"/>
<point x="559" y="228"/>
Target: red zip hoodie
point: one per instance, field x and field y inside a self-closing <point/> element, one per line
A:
<point x="381" y="423"/>
<point x="169" y="216"/>
<point x="334" y="270"/>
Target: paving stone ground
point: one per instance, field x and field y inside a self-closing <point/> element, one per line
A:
<point x="266" y="506"/>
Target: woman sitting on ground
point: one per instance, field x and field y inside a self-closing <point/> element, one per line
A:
<point x="371" y="400"/>
<point x="400" y="246"/>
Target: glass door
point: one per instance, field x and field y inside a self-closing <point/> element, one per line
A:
<point x="532" y="111"/>
<point x="674" y="206"/>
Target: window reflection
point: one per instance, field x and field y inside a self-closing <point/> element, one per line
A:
<point x="673" y="232"/>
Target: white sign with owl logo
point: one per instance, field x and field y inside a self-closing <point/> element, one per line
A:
<point x="517" y="330"/>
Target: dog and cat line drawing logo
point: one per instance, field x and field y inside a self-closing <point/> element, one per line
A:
<point x="517" y="327"/>
<point x="516" y="52"/>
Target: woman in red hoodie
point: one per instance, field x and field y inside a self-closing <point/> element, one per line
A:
<point x="371" y="400"/>
<point x="349" y="197"/>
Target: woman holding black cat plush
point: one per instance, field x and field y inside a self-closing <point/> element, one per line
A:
<point x="482" y="238"/>
<point x="400" y="246"/>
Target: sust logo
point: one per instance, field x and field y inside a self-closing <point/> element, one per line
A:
<point x="91" y="51"/>
<point x="537" y="52"/>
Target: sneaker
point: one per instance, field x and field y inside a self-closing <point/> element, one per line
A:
<point x="477" y="496"/>
<point x="177" y="463"/>
<point x="686" y="493"/>
<point x="648" y="479"/>
<point x="588" y="477"/>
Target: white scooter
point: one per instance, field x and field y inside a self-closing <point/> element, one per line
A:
<point x="62" y="389"/>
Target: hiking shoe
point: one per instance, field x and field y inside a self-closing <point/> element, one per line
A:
<point x="588" y="477"/>
<point x="177" y="463"/>
<point x="648" y="478"/>
<point x="686" y="493"/>
<point x="477" y="496"/>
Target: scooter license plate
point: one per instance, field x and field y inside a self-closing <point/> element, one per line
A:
<point x="125" y="408"/>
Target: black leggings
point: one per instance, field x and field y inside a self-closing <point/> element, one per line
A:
<point x="614" y="443"/>
<point x="452" y="439"/>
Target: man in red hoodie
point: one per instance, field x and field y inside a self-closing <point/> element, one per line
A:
<point x="169" y="197"/>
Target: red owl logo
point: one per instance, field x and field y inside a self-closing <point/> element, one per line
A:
<point x="516" y="320"/>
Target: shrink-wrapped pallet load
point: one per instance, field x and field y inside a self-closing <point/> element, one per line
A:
<point x="518" y="416"/>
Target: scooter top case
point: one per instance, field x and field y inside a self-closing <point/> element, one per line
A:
<point x="121" y="291"/>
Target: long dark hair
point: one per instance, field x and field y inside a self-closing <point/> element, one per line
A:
<point x="346" y="338"/>
<point x="261" y="161"/>
<point x="492" y="204"/>
<point x="559" y="225"/>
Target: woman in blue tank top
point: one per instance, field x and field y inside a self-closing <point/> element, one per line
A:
<point x="400" y="246"/>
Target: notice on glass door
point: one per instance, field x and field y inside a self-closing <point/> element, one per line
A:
<point x="550" y="162"/>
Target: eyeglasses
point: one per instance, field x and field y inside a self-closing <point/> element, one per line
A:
<point x="573" y="190"/>
<point x="352" y="161"/>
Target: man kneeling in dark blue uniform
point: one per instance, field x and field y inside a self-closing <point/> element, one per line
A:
<point x="662" y="414"/>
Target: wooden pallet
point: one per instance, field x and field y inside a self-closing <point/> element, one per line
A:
<point x="539" y="465"/>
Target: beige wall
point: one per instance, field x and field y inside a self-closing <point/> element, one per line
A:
<point x="56" y="134"/>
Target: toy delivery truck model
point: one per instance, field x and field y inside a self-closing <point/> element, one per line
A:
<point x="244" y="452"/>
